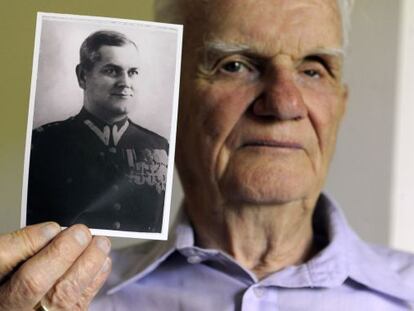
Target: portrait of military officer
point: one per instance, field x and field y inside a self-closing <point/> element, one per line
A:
<point x="98" y="167"/>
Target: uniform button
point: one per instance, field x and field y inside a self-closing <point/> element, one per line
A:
<point x="116" y="225"/>
<point x="69" y="180"/>
<point x="117" y="206"/>
<point x="115" y="188"/>
<point x="259" y="292"/>
<point x="102" y="154"/>
<point x="194" y="259"/>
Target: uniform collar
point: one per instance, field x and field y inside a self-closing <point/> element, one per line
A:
<point x="86" y="115"/>
<point x="346" y="258"/>
<point x="109" y="134"/>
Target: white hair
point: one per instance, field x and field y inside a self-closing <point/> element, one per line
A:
<point x="345" y="9"/>
<point x="172" y="11"/>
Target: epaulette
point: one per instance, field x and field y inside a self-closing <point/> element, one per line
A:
<point x="46" y="126"/>
<point x="147" y="131"/>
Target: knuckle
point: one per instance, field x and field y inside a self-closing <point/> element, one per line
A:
<point x="84" y="301"/>
<point x="6" y="264"/>
<point x="26" y="285"/>
<point x="28" y="242"/>
<point x="9" y="244"/>
<point x="64" y="295"/>
<point x="79" y="307"/>
<point x="6" y="295"/>
<point x="90" y="266"/>
<point x="61" y="249"/>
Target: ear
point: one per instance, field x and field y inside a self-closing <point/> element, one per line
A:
<point x="81" y="75"/>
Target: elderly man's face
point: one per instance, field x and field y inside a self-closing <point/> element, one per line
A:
<point x="111" y="84"/>
<point x="262" y="98"/>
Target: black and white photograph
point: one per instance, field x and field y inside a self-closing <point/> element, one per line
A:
<point x="101" y="126"/>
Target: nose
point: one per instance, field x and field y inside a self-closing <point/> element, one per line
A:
<point x="281" y="98"/>
<point x="124" y="79"/>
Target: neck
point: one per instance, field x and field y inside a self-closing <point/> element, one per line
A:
<point x="263" y="239"/>
<point x="104" y="116"/>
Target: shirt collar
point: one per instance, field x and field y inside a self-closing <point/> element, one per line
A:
<point x="344" y="258"/>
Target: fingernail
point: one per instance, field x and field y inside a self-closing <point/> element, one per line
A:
<point x="106" y="265"/>
<point x="50" y="230"/>
<point x="103" y="244"/>
<point x="81" y="237"/>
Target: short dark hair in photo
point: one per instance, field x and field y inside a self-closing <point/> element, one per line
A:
<point x="89" y="50"/>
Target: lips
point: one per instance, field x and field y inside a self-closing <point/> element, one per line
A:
<point x="122" y="94"/>
<point x="272" y="143"/>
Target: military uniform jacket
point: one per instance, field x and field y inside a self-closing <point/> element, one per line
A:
<point x="106" y="177"/>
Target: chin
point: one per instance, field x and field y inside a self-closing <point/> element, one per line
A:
<point x="120" y="110"/>
<point x="274" y="192"/>
<point x="267" y="183"/>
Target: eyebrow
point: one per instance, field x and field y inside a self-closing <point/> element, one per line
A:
<point x="223" y="47"/>
<point x="217" y="49"/>
<point x="333" y="52"/>
<point x="117" y="66"/>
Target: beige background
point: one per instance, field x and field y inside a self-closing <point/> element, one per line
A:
<point x="364" y="176"/>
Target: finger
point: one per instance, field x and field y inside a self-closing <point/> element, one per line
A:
<point x="69" y="288"/>
<point x="20" y="245"/>
<point x="38" y="274"/>
<point x="90" y="292"/>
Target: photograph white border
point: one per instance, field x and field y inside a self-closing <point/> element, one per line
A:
<point x="173" y="122"/>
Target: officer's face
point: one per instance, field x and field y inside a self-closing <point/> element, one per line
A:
<point x="261" y="99"/>
<point x="110" y="87"/>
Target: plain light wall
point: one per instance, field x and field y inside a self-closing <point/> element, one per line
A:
<point x="361" y="172"/>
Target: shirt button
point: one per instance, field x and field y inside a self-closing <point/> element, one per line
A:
<point x="69" y="180"/>
<point x="194" y="259"/>
<point x="116" y="225"/>
<point x="117" y="206"/>
<point x="115" y="188"/>
<point x="258" y="291"/>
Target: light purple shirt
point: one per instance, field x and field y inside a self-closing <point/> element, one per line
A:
<point x="348" y="274"/>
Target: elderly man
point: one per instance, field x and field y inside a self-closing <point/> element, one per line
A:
<point x="261" y="102"/>
<point x="98" y="167"/>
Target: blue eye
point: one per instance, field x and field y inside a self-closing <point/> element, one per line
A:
<point x="233" y="66"/>
<point x="236" y="67"/>
<point x="312" y="73"/>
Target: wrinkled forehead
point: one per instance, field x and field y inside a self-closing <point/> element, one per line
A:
<point x="268" y="24"/>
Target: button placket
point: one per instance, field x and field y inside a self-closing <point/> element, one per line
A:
<point x="258" y="291"/>
<point x="261" y="298"/>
